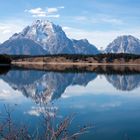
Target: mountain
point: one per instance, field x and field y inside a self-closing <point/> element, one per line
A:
<point x="44" y="37"/>
<point x="124" y="44"/>
<point x="84" y="47"/>
<point x="48" y="35"/>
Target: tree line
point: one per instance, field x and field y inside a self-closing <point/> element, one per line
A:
<point x="5" y="59"/>
<point x="109" y="57"/>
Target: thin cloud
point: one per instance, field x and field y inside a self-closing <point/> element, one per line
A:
<point x="54" y="16"/>
<point x="9" y="27"/>
<point x="51" y="12"/>
<point x="4" y="27"/>
<point x="100" y="19"/>
<point x="36" y="11"/>
<point x="61" y="7"/>
<point x="81" y="18"/>
<point x="111" y="20"/>
<point x="66" y="28"/>
<point x="7" y="31"/>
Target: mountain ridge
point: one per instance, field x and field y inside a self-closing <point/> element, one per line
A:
<point x="44" y="37"/>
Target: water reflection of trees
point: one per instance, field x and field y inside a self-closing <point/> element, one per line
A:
<point x="4" y="69"/>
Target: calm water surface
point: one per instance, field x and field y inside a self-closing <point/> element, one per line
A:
<point x="110" y="102"/>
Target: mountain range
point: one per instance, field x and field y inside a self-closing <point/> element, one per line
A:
<point x="44" y="37"/>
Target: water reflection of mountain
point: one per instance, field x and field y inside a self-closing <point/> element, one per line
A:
<point x="124" y="82"/>
<point x="45" y="85"/>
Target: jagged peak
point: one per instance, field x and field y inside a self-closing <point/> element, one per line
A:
<point x="123" y="37"/>
<point x="81" y="40"/>
<point x="41" y="22"/>
<point x="46" y="24"/>
<point x="84" y="40"/>
<point x="39" y="27"/>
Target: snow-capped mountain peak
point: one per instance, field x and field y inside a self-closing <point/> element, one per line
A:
<point x="50" y="37"/>
<point x="124" y="44"/>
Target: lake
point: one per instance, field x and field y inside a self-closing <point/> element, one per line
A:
<point x="110" y="103"/>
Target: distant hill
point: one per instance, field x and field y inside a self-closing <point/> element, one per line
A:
<point x="124" y="44"/>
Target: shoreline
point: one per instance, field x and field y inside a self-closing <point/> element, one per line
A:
<point x="74" y="64"/>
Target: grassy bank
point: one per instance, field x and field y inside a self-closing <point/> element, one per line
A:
<point x="80" y="59"/>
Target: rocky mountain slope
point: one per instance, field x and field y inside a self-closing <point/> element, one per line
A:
<point x="124" y="44"/>
<point x="21" y="46"/>
<point x="83" y="45"/>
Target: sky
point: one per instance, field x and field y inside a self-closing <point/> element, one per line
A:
<point x="99" y="21"/>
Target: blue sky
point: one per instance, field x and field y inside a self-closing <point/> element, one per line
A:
<point x="100" y="21"/>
